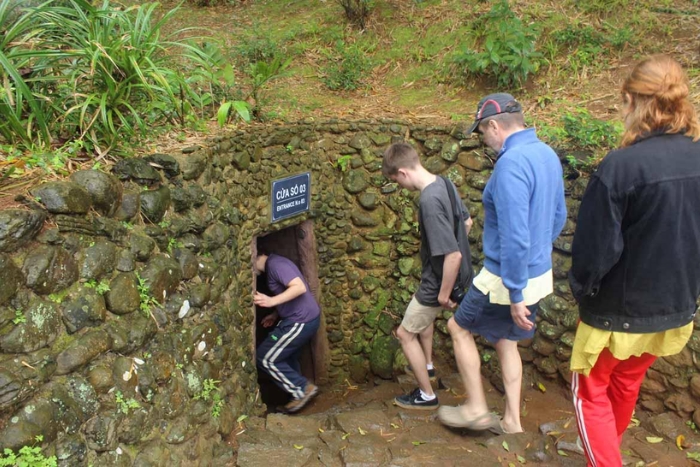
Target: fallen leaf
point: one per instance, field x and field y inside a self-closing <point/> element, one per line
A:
<point x="394" y="425"/>
<point x="511" y="464"/>
<point x="521" y="459"/>
<point x="345" y="435"/>
<point x="417" y="443"/>
<point x="320" y="430"/>
<point x="361" y="431"/>
<point x="634" y="422"/>
<point x="541" y="387"/>
<point x="241" y="418"/>
<point x="695" y="456"/>
<point x="654" y="439"/>
<point x="298" y="446"/>
<point x="562" y="453"/>
<point x="505" y="446"/>
<point x="680" y="442"/>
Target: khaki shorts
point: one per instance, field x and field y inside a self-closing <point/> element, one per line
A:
<point x="418" y="317"/>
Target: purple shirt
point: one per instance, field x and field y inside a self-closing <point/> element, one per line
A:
<point x="280" y="272"/>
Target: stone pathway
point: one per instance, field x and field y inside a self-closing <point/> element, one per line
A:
<point x="360" y="427"/>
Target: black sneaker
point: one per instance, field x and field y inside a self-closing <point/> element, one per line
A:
<point x="409" y="371"/>
<point x="415" y="401"/>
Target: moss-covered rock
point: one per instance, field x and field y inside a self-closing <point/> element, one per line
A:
<point x="104" y="189"/>
<point x="63" y="197"/>
<point x="381" y="359"/>
<point x="40" y="324"/>
<point x="19" y="227"/>
<point x="49" y="269"/>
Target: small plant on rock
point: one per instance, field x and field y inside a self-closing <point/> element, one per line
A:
<point x="101" y="288"/>
<point x="19" y="317"/>
<point x="125" y="405"/>
<point x="217" y="405"/>
<point x="146" y="299"/>
<point x="209" y="386"/>
<point x="27" y="456"/>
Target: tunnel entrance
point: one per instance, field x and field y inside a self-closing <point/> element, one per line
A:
<point x="297" y="243"/>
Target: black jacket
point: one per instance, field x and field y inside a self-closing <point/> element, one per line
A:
<point x="636" y="250"/>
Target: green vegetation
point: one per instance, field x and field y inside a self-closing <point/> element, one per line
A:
<point x="101" y="288"/>
<point x="217" y="405"/>
<point x="19" y="317"/>
<point x="82" y="79"/>
<point x="583" y="131"/>
<point x="96" y="77"/>
<point x="346" y="67"/>
<point x="343" y="163"/>
<point x="209" y="386"/>
<point x="174" y="243"/>
<point x="28" y="456"/>
<point x="508" y="56"/>
<point x="146" y="299"/>
<point x="125" y="405"/>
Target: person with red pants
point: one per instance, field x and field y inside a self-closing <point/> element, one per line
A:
<point x="636" y="255"/>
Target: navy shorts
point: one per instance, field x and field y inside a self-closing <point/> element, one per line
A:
<point x="491" y="320"/>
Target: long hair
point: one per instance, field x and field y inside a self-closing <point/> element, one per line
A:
<point x="659" y="90"/>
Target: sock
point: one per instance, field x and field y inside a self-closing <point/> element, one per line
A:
<point x="427" y="397"/>
<point x="430" y="366"/>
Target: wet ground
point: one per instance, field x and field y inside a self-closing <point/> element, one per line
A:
<point x="358" y="425"/>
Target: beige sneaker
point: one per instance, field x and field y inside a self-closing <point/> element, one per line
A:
<point x="296" y="405"/>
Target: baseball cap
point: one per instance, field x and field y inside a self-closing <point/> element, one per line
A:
<point x="494" y="104"/>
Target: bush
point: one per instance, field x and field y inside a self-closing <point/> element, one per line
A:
<point x="256" y="45"/>
<point x="509" y="54"/>
<point x="346" y="67"/>
<point x="101" y="75"/>
<point x="584" y="131"/>
<point x="357" y="11"/>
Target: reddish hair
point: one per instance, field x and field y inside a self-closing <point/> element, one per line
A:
<point x="658" y="88"/>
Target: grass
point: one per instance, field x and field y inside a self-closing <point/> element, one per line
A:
<point x="410" y="46"/>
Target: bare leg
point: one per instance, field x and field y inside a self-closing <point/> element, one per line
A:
<point x="426" y="342"/>
<point x="469" y="365"/>
<point x="512" y="371"/>
<point x="416" y="358"/>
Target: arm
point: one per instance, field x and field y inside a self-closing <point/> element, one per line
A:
<point x="559" y="215"/>
<point x="598" y="240"/>
<point x="512" y="200"/>
<point x="468" y="225"/>
<point x="294" y="289"/>
<point x="450" y="270"/>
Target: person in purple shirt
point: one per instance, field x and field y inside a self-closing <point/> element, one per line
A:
<point x="299" y="315"/>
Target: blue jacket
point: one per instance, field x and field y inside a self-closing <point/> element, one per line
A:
<point x="525" y="211"/>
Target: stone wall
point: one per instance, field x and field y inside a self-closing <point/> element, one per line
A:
<point x="126" y="315"/>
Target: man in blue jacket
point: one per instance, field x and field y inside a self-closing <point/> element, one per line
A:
<point x="524" y="213"/>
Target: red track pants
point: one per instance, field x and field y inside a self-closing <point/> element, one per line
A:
<point x="604" y="402"/>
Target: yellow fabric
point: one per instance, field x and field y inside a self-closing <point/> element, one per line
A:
<point x="536" y="289"/>
<point x="590" y="342"/>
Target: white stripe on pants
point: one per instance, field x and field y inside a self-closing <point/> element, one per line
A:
<point x="274" y="352"/>
<point x="579" y="419"/>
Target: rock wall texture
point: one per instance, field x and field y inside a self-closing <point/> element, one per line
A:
<point x="126" y="314"/>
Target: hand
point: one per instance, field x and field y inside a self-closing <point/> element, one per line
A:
<point x="269" y="320"/>
<point x="519" y="312"/>
<point x="446" y="302"/>
<point x="263" y="300"/>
